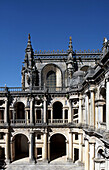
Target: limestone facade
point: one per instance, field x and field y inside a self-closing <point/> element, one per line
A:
<point x="61" y="109"/>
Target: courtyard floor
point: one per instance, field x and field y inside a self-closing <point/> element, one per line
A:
<point x="60" y="163"/>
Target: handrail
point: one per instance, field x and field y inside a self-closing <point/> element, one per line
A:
<point x="58" y="121"/>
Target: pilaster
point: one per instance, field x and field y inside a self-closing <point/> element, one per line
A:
<point x="70" y="147"/>
<point x="107" y="103"/>
<point x="7" y="148"/>
<point x="45" y="109"/>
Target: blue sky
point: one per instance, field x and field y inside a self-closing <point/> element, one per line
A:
<point x="50" y="23"/>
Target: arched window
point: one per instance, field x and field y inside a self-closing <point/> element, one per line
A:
<point x="51" y="79"/>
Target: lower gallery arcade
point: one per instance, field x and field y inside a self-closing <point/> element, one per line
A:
<point x="41" y="146"/>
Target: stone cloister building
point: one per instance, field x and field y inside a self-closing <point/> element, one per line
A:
<point x="61" y="109"/>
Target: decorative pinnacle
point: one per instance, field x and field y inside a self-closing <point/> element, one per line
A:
<point x="29" y="41"/>
<point x="29" y="37"/>
<point x="70" y="44"/>
<point x="104" y="41"/>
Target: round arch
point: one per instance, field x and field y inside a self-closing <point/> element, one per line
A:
<point x="57" y="146"/>
<point x="84" y="68"/>
<point x="19" y="108"/>
<point x="20" y="146"/>
<point x="57" y="110"/>
<point x="54" y="68"/>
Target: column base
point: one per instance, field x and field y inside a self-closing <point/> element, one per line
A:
<point x="45" y="161"/>
<point x="69" y="160"/>
<point x="7" y="161"/>
<point x="31" y="161"/>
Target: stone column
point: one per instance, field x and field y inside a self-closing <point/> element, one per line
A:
<point x="67" y="149"/>
<point x="63" y="115"/>
<point x="80" y="109"/>
<point x="80" y="148"/>
<point x="51" y="115"/>
<point x="100" y="114"/>
<point x="49" y="151"/>
<point x="92" y="115"/>
<point x="86" y="154"/>
<point x="45" y="110"/>
<point x="6" y="112"/>
<point x="32" y="111"/>
<point x="70" y="112"/>
<point x="45" y="147"/>
<point x="96" y="116"/>
<point x="107" y="103"/>
<point x="31" y="147"/>
<point x="92" y="156"/>
<point x="7" y="147"/>
<point x="70" y="147"/>
<point x="87" y="109"/>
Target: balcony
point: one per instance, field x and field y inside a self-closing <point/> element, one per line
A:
<point x="34" y="89"/>
<point x="19" y="122"/>
<point x="58" y="121"/>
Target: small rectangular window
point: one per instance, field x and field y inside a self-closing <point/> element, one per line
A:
<point x="39" y="153"/>
<point x="76" y="136"/>
<point x="39" y="136"/>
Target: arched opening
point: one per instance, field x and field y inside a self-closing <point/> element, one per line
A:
<point x="51" y="79"/>
<point x="100" y="154"/>
<point x="57" y="146"/>
<point x="19" y="110"/>
<point x="51" y="76"/>
<point x="21" y="146"/>
<point x="2" y="157"/>
<point x="57" y="110"/>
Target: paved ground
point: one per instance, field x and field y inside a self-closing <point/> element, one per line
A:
<point x="59" y="163"/>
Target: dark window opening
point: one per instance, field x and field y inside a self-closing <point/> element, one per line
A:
<point x="76" y="136"/>
<point x="57" y="110"/>
<point x="1" y="114"/>
<point x="49" y="114"/>
<point x="76" y="154"/>
<point x="104" y="113"/>
<point x="39" y="153"/>
<point x="20" y="110"/>
<point x="39" y="136"/>
<point x="1" y="135"/>
<point x="38" y="113"/>
<point x="51" y="79"/>
<point x="66" y="114"/>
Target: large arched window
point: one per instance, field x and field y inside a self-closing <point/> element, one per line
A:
<point x="51" y="79"/>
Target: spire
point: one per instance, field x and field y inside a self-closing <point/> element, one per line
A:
<point x="70" y="45"/>
<point x="29" y="46"/>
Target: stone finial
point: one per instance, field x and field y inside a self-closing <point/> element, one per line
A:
<point x="70" y="44"/>
<point x="29" y="37"/>
<point x="104" y="41"/>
